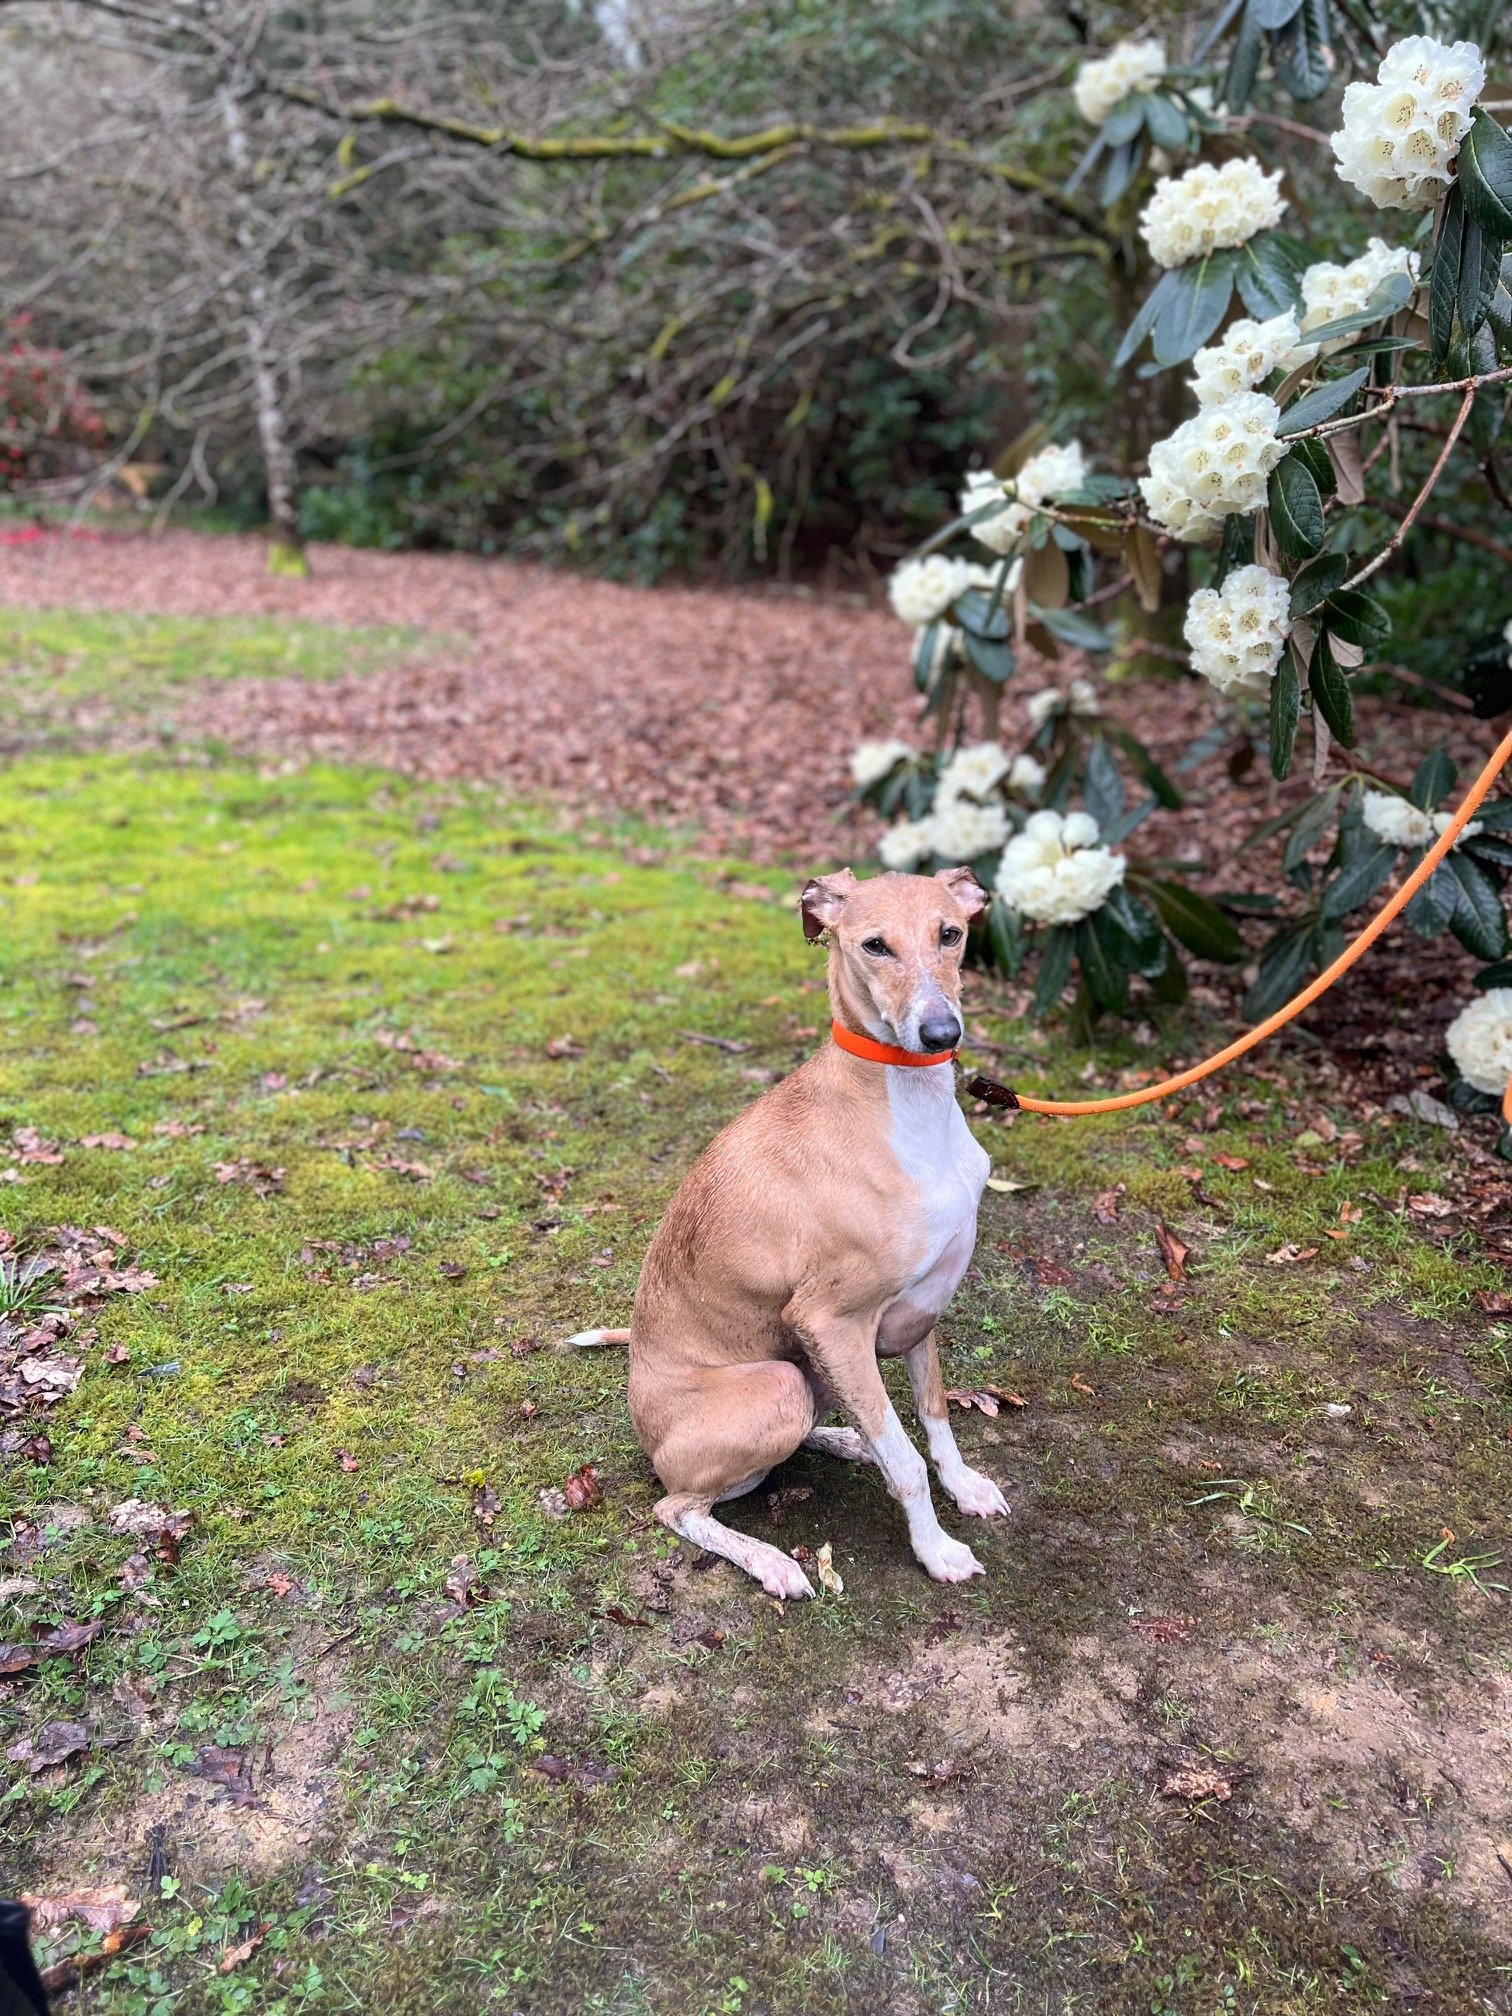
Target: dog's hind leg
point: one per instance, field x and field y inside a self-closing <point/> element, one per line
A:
<point x="725" y="1429"/>
<point x="846" y="1442"/>
<point x="778" y="1573"/>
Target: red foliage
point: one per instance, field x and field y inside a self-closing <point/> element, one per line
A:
<point x="45" y="414"/>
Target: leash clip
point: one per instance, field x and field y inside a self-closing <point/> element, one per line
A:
<point x="993" y="1093"/>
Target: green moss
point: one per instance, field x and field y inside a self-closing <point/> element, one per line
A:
<point x="333" y="973"/>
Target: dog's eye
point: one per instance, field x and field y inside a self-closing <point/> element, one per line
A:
<point x="877" y="947"/>
<point x="950" y="934"/>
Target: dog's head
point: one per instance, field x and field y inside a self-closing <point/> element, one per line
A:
<point x="896" y="944"/>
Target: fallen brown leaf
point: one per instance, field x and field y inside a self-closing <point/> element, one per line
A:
<point x="54" y="1743"/>
<point x="582" y="1490"/>
<point x="235" y="1955"/>
<point x="1164" y="1630"/>
<point x="1172" y="1251"/>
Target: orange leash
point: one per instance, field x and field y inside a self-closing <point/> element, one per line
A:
<point x="1386" y="915"/>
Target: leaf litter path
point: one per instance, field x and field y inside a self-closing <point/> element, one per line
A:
<point x="729" y="713"/>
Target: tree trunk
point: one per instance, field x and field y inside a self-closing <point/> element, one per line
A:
<point x="286" y="554"/>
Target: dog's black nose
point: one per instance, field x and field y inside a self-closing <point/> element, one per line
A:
<point x="943" y="1034"/>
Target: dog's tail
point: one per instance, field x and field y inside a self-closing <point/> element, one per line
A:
<point x="590" y="1340"/>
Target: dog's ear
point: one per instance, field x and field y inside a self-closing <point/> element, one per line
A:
<point x="822" y="901"/>
<point x="965" y="888"/>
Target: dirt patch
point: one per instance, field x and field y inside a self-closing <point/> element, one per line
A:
<point x="203" y="1826"/>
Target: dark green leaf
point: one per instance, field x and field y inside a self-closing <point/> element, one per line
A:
<point x="1121" y="827"/>
<point x="1358" y="618"/>
<point x="926" y="671"/>
<point x="1244" y="63"/>
<point x="1165" y="122"/>
<point x="1140" y="925"/>
<point x="1499" y="975"/>
<point x="993" y="660"/>
<point x="1303" y="53"/>
<point x="1479" y="921"/>
<point x="1357" y="883"/>
<point x="1198" y="924"/>
<point x="1101" y="951"/>
<point x="1311" y="823"/>
<point x="1495" y="814"/>
<point x="1330" y="692"/>
<point x="1149" y="770"/>
<point x="1196" y="307"/>
<point x="974" y="612"/>
<point x="1267" y="276"/>
<point x="1284" y="966"/>
<point x="1005" y="935"/>
<point x="1125" y="120"/>
<point x="1055" y="968"/>
<point x="1119" y="170"/>
<point x="1285" y="708"/>
<point x="1072" y="627"/>
<point x="1317" y="581"/>
<point x="1433" y="781"/>
<point x="1321" y="403"/>
<point x="1320" y="462"/>
<point x="1083" y="167"/>
<point x="1485" y="175"/>
<point x="1487" y="849"/>
<point x="1145" y="320"/>
<point x="1480" y="271"/>
<point x="1102" y="787"/>
<point x="1238" y="547"/>
<point x="1434" y="904"/>
<point x="1273" y="14"/>
<point x="1487" y="677"/>
<point x="1444" y="282"/>
<point x="1296" y="509"/>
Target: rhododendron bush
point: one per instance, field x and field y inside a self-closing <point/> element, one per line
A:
<point x="1303" y="370"/>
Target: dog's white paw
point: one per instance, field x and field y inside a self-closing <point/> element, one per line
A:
<point x="948" y="1560"/>
<point x="783" y="1578"/>
<point x="976" y="1494"/>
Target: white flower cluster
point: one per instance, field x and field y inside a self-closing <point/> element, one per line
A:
<point x="1080" y="698"/>
<point x="1330" y="292"/>
<point x="1107" y="80"/>
<point x="1403" y="824"/>
<point x="1215" y="463"/>
<point x="920" y="591"/>
<point x="966" y="820"/>
<point x="1479" y="1039"/>
<point x="1053" y="473"/>
<point x="1401" y="133"/>
<point x="1248" y="354"/>
<point x="1196" y="213"/>
<point x="1056" y="870"/>
<point x="972" y="772"/>
<point x="871" y="761"/>
<point x="1236" y="632"/>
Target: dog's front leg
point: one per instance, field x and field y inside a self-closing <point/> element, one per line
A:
<point x="970" y="1489"/>
<point x="844" y="1353"/>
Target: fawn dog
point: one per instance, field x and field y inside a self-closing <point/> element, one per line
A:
<point x="825" y="1228"/>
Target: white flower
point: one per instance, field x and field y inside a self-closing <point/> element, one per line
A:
<point x="1215" y="463"/>
<point x="922" y="590"/>
<point x="960" y="831"/>
<point x="1209" y="207"/>
<point x="1331" y="292"/>
<point x="1479" y="1039"/>
<point x="1236" y="632"/>
<point x="1026" y="774"/>
<point x="972" y="773"/>
<point x="1107" y="80"/>
<point x="1401" y="133"/>
<point x="1054" y="472"/>
<point x="1403" y="824"/>
<point x="1247" y="355"/>
<point x="871" y="761"/>
<point x="1056" y="871"/>
<point x="905" y="845"/>
<point x="1080" y="698"/>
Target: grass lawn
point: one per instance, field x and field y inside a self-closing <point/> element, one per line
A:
<point x="388" y="1084"/>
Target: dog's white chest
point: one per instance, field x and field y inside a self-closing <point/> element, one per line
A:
<point x="935" y="1148"/>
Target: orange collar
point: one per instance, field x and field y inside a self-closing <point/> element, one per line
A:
<point x="885" y="1053"/>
